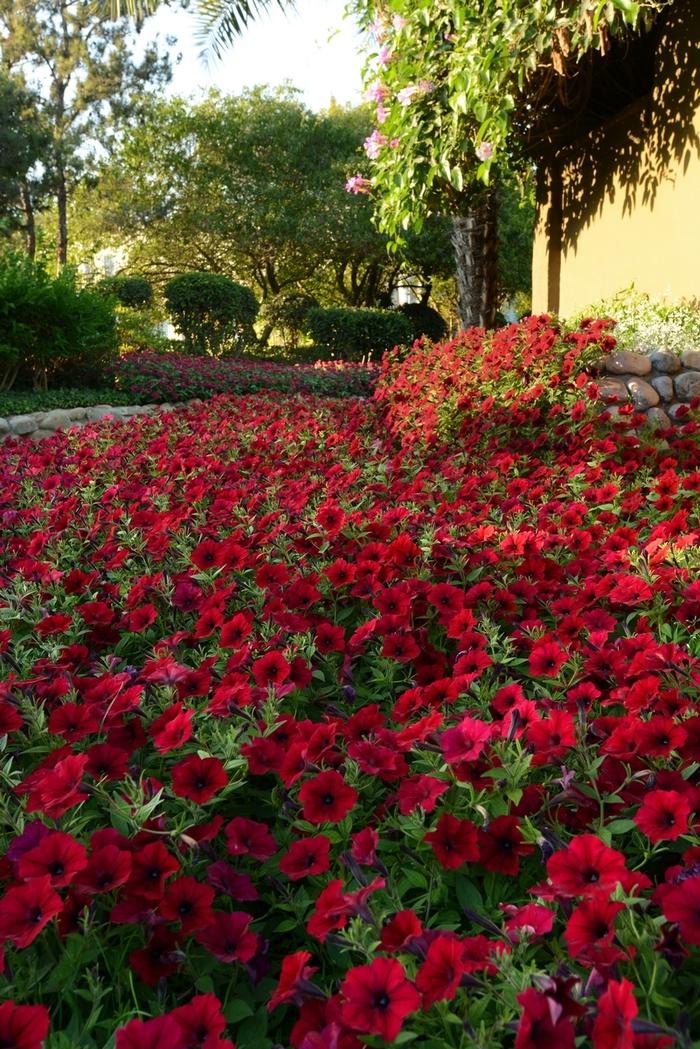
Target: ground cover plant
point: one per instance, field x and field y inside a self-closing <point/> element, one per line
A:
<point x="319" y="735"/>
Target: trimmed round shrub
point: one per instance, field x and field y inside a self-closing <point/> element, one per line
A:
<point x="424" y="321"/>
<point x="134" y="292"/>
<point x="212" y="312"/>
<point x="287" y="314"/>
<point x="354" y="333"/>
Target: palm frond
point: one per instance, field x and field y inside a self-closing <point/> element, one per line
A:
<point x="221" y="22"/>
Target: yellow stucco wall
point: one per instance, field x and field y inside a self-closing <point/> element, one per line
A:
<point x="622" y="206"/>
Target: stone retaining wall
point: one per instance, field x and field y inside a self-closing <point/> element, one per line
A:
<point x="38" y="425"/>
<point x="659" y="384"/>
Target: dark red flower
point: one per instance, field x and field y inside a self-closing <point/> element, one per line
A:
<point x="326" y="798"/>
<point x="541" y="1025"/>
<point x="501" y="845"/>
<point x="26" y="909"/>
<point x="306" y="857"/>
<point x="586" y="867"/>
<point x="106" y="868"/>
<point x="663" y="815"/>
<point x="246" y="837"/>
<point x="160" y="1033"/>
<point x="440" y="974"/>
<point x="172" y="729"/>
<point x="294" y="973"/>
<point x="591" y="927"/>
<point x="617" y="1009"/>
<point x="377" y="998"/>
<point x="420" y="790"/>
<point x="546" y="659"/>
<point x="682" y="905"/>
<point x="399" y="931"/>
<point x="198" y="779"/>
<point x="201" y="1021"/>
<point x="187" y="901"/>
<point x="229" y="938"/>
<point x="453" y="841"/>
<point x="23" y="1026"/>
<point x="158" y="959"/>
<point x="58" y="854"/>
<point x="150" y="866"/>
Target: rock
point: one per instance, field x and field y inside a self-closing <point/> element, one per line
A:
<point x="622" y="361"/>
<point x="21" y="424"/>
<point x="613" y="390"/>
<point x="4" y="426"/>
<point x="663" y="384"/>
<point x="136" y="409"/>
<point x="41" y="434"/>
<point x="58" y="419"/>
<point x="691" y="359"/>
<point x="102" y="411"/>
<point x="658" y="419"/>
<point x="687" y="385"/>
<point x="643" y="393"/>
<point x="78" y="414"/>
<point x="665" y="361"/>
<point x="166" y="407"/>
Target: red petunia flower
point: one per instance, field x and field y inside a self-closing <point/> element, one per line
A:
<point x="229" y="938"/>
<point x="162" y="1032"/>
<point x="541" y="1025"/>
<point x="591" y="927"/>
<point x="682" y="905"/>
<point x="420" y="790"/>
<point x="59" y="855"/>
<point x="59" y="787"/>
<point x="331" y="911"/>
<point x="586" y="867"/>
<point x="201" y="1021"/>
<point x="306" y="857"/>
<point x="453" y="841"/>
<point x="26" y="909"/>
<point x="466" y="741"/>
<point x="399" y="931"/>
<point x="546" y="659"/>
<point x="271" y="670"/>
<point x="158" y="959"/>
<point x="198" y="779"/>
<point x="501" y="845"/>
<point x="663" y="815"/>
<point x="106" y="869"/>
<point x="294" y="973"/>
<point x="187" y="901"/>
<point x="376" y="998"/>
<point x="617" y="1009"/>
<point x="172" y="729"/>
<point x="246" y="837"/>
<point x="23" y="1026"/>
<point x="150" y="866"/>
<point x="326" y="798"/>
<point x="440" y="974"/>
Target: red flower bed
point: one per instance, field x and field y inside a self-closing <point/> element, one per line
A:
<point x="313" y="741"/>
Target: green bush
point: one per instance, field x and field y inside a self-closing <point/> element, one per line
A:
<point x="19" y="402"/>
<point x="355" y="333"/>
<point x="139" y="330"/>
<point x="643" y="324"/>
<point x="212" y="312"/>
<point x="287" y="315"/>
<point x="48" y="322"/>
<point x="424" y="321"/>
<point x="134" y="292"/>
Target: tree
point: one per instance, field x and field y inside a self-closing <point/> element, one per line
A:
<point x="23" y="139"/>
<point x="81" y="67"/>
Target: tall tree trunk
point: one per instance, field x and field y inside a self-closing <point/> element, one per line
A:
<point x="62" y="206"/>
<point x="475" y="246"/>
<point x="29" y="223"/>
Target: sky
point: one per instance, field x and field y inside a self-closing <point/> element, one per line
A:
<point x="313" y="47"/>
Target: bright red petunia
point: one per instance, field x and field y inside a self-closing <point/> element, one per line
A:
<point x="162" y="1032"/>
<point x="201" y="1021"/>
<point x="26" y="909"/>
<point x="306" y="857"/>
<point x="23" y="1026"/>
<point x="466" y="741"/>
<point x="326" y="798"/>
<point x="229" y="938"/>
<point x="682" y="905"/>
<point x="546" y="659"/>
<point x="591" y="927"/>
<point x="377" y="998"/>
<point x="585" y="867"/>
<point x="617" y="1008"/>
<point x="440" y="974"/>
<point x="663" y="815"/>
<point x="541" y="1025"/>
<point x="246" y="837"/>
<point x="172" y="729"/>
<point x="198" y="779"/>
<point x="294" y="974"/>
<point x="453" y="841"/>
<point x="59" y="855"/>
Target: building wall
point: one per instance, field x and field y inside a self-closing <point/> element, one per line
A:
<point x="622" y="206"/>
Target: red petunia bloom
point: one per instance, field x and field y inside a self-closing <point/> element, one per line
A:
<point x="306" y="857"/>
<point x="501" y="845"/>
<point x="294" y="973"/>
<point x="162" y="1032"/>
<point x="326" y="798"/>
<point x="271" y="670"/>
<point x="440" y="974"/>
<point x="201" y="1021"/>
<point x="246" y="837"/>
<point x="172" y="729"/>
<point x="58" y="854"/>
<point x="591" y="927"/>
<point x="364" y="847"/>
<point x="663" y="815"/>
<point x="106" y="869"/>
<point x="150" y="866"/>
<point x="229" y="938"/>
<point x="586" y="867"/>
<point x="546" y="659"/>
<point x="682" y="905"/>
<point x="420" y="790"/>
<point x="399" y="931"/>
<point x="541" y="1025"/>
<point x="530" y="921"/>
<point x="453" y="841"/>
<point x="466" y="741"/>
<point x="59" y="787"/>
<point x="198" y="779"/>
<point x="187" y="901"/>
<point x="376" y="998"/>
<point x="158" y="959"/>
<point x="617" y="1009"/>
<point x="23" y="1026"/>
<point x="331" y="911"/>
<point x="26" y="909"/>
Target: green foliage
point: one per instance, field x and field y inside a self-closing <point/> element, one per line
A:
<point x="643" y="324"/>
<point x="47" y="321"/>
<point x="20" y="402"/>
<point x="23" y="138"/>
<point x="516" y="228"/>
<point x="139" y="330"/>
<point x="424" y="320"/>
<point x="460" y="83"/>
<point x="355" y="333"/>
<point x="211" y="311"/>
<point x="134" y="292"/>
<point x="287" y="315"/>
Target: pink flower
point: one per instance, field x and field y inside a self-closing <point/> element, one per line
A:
<point x="484" y="151"/>
<point x="376" y="92"/>
<point x="399" y="22"/>
<point x="374" y="143"/>
<point x="358" y="184"/>
<point x="406" y="95"/>
<point x="385" y="55"/>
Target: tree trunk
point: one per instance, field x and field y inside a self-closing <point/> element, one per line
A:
<point x="62" y="206"/>
<point x="475" y="246"/>
<point x="29" y="223"/>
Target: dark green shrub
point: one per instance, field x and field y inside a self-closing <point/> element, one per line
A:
<point x="355" y="333"/>
<point x="211" y="311"/>
<point x="424" y="320"/>
<point x="48" y="322"/>
<point x="287" y="315"/>
<point x="134" y="292"/>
